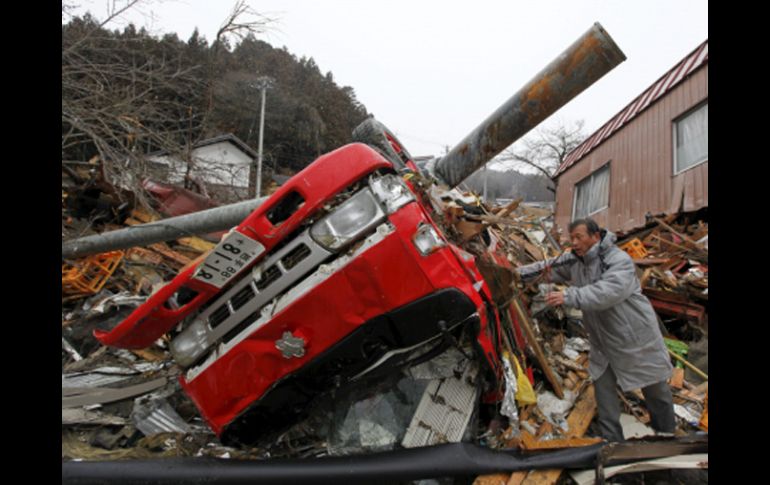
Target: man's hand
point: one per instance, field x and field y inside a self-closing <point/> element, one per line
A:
<point x="555" y="298"/>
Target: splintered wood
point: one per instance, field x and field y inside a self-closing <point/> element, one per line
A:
<point x="579" y="420"/>
<point x="533" y="341"/>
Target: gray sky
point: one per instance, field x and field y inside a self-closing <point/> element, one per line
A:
<point x="433" y="70"/>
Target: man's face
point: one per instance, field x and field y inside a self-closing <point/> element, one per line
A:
<point x="582" y="241"/>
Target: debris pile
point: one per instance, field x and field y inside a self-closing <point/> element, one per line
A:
<point x="119" y="404"/>
<point x="673" y="264"/>
<point x="550" y="342"/>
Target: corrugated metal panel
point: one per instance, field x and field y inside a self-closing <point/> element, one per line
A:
<point x="666" y="83"/>
<point x="641" y="157"/>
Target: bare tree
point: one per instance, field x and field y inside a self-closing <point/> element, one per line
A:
<point x="546" y="148"/>
<point x="121" y="99"/>
<point x="121" y="102"/>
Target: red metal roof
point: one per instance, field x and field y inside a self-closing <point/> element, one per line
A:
<point x="659" y="88"/>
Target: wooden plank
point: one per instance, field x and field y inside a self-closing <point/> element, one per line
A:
<point x="509" y="208"/>
<point x="535" y="252"/>
<point x="677" y="378"/>
<point x="149" y="355"/>
<point x="672" y="244"/>
<point x="570" y="365"/>
<point x="143" y="216"/>
<point x="130" y="221"/>
<point x="544" y="429"/>
<point x="649" y="238"/>
<point x="579" y="420"/>
<point x="523" y="320"/>
<point x="650" y="261"/>
<point x="167" y="252"/>
<point x="645" y="276"/>
<point x="517" y="478"/>
<point x="197" y="243"/>
<point x="144" y="255"/>
<point x="505" y="221"/>
<point x="700" y="233"/>
<point x="532" y="444"/>
<point x="692" y="243"/>
<point x="468" y="229"/>
<point x="493" y="479"/>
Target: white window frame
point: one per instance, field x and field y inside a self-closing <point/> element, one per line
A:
<point x="586" y="179"/>
<point x="674" y="124"/>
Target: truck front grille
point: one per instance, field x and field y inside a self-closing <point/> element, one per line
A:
<point x="295" y="256"/>
<point x="250" y="318"/>
<point x="238" y="307"/>
<point x="268" y="277"/>
<point x="242" y="297"/>
<point x="218" y="316"/>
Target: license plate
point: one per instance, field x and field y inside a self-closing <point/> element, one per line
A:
<point x="231" y="256"/>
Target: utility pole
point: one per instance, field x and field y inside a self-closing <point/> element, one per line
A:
<point x="263" y="83"/>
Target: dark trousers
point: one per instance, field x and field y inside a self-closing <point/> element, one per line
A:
<point x="657" y="397"/>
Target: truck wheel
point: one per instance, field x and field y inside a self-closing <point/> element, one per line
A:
<point x="376" y="135"/>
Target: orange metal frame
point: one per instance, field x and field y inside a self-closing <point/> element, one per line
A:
<point x="89" y="275"/>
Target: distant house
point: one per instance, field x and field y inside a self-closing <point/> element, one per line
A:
<point x="223" y="164"/>
<point x="650" y="157"/>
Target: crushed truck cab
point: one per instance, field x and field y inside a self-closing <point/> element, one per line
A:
<point x="339" y="275"/>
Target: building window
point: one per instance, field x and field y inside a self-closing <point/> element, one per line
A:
<point x="592" y="194"/>
<point x="691" y="139"/>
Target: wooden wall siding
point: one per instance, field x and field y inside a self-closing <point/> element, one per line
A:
<point x="641" y="165"/>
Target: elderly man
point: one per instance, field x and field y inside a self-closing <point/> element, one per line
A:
<point x="627" y="348"/>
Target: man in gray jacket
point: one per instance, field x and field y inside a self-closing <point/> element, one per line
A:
<point x="627" y="347"/>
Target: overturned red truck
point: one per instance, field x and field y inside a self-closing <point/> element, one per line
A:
<point x="343" y="273"/>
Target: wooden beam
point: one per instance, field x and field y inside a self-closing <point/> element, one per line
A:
<point x="468" y="229"/>
<point x="651" y="261"/>
<point x="523" y="319"/>
<point x="517" y="478"/>
<point x="579" y="420"/>
<point x="170" y="254"/>
<point x="694" y="244"/>
<point x="492" y="479"/>
<point x="530" y="443"/>
<point x="197" y="243"/>
<point x="492" y="219"/>
<point x="697" y="250"/>
<point x="509" y="208"/>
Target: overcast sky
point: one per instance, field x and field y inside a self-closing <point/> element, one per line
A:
<point x="433" y="70"/>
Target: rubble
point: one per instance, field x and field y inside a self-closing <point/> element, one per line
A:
<point x="445" y="409"/>
<point x="120" y="403"/>
<point x="547" y="341"/>
<point x="667" y="273"/>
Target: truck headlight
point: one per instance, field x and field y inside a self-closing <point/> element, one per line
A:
<point x="392" y="192"/>
<point x="427" y="240"/>
<point x="349" y="221"/>
<point x="189" y="345"/>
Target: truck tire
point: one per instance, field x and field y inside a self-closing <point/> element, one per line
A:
<point x="376" y="135"/>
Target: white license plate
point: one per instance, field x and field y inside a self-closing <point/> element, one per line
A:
<point x="231" y="256"/>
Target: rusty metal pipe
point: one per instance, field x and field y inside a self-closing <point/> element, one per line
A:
<point x="592" y="56"/>
<point x="210" y="220"/>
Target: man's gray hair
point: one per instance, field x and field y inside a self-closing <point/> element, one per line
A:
<point x="591" y="226"/>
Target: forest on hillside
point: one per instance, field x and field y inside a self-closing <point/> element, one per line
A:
<point x="126" y="93"/>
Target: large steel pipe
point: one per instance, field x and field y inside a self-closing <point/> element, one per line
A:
<point x="203" y="222"/>
<point x="592" y="56"/>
